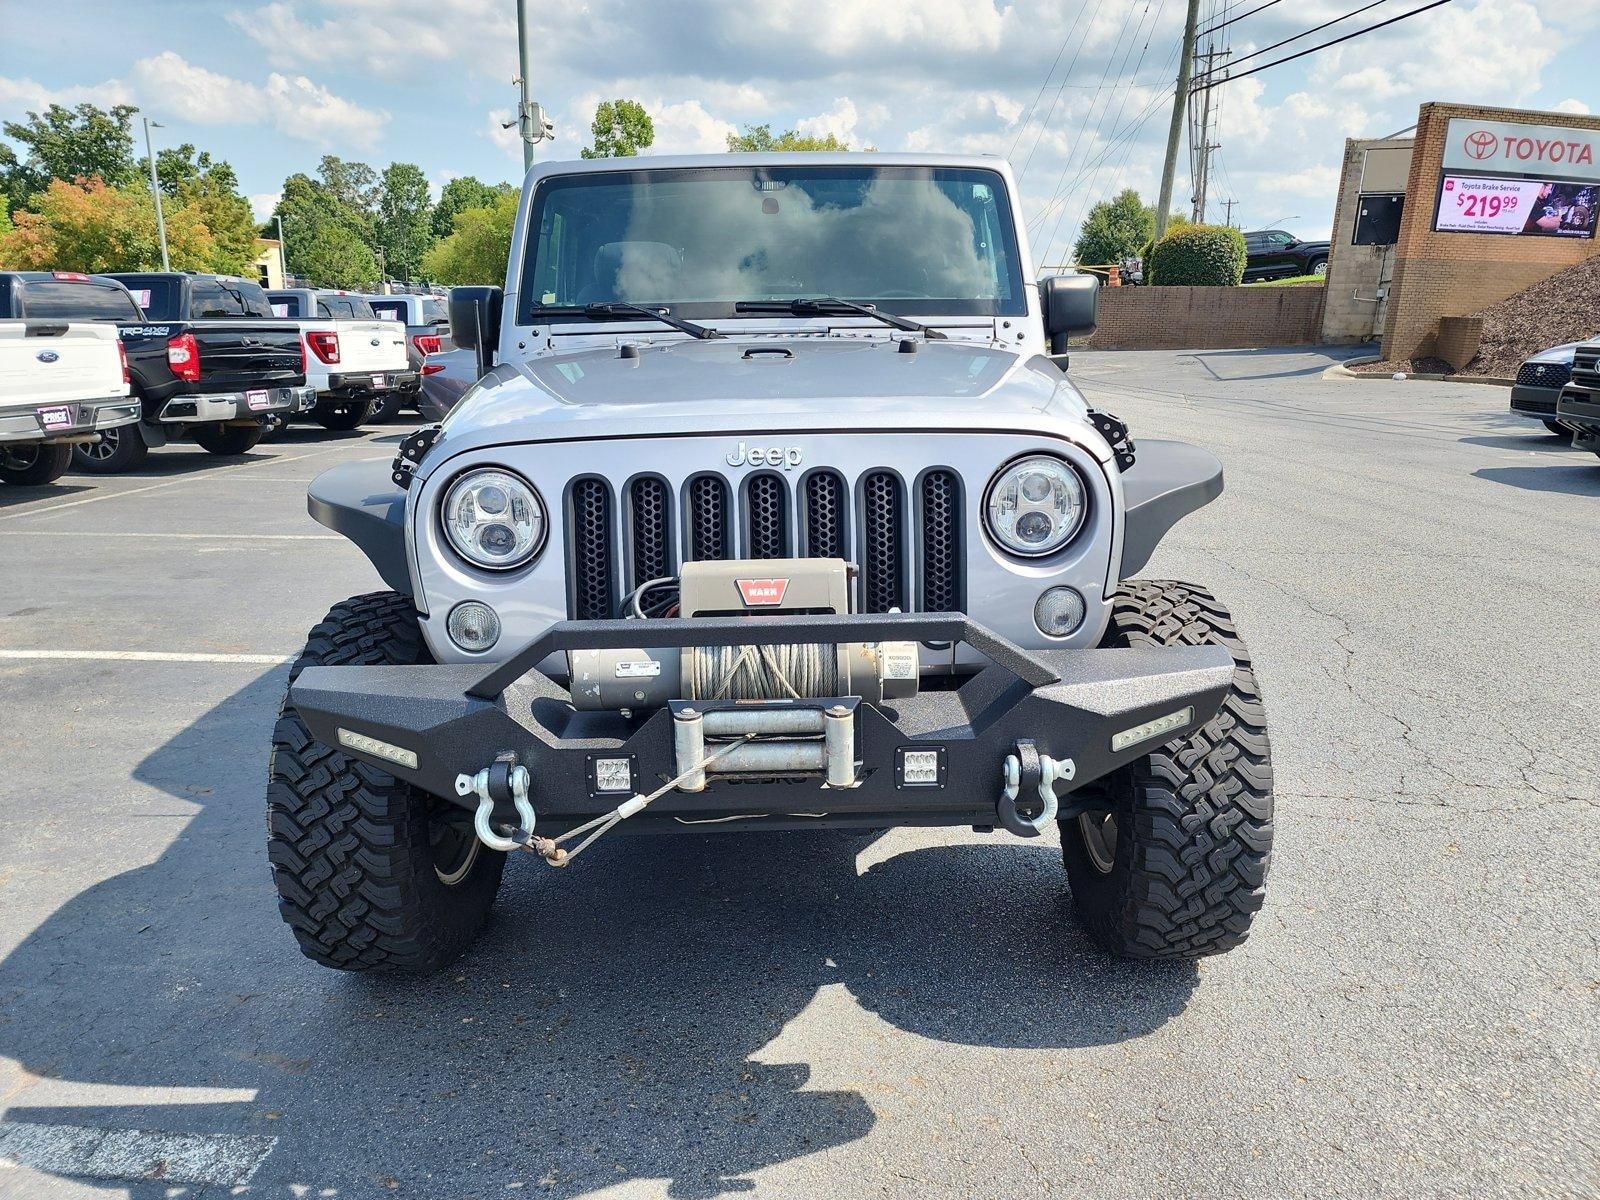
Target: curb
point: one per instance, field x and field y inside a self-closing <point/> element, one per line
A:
<point x="1342" y="371"/>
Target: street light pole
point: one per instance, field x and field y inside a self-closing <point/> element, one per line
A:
<point x="283" y="261"/>
<point x="155" y="192"/>
<point x="524" y="25"/>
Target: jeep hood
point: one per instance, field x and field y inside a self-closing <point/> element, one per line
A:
<point x="766" y="385"/>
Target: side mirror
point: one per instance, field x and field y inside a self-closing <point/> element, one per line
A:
<point x="475" y="322"/>
<point x="1070" y="304"/>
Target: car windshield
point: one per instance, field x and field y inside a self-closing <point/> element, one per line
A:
<point x="701" y="240"/>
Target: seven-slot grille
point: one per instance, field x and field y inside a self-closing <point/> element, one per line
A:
<point x="907" y="540"/>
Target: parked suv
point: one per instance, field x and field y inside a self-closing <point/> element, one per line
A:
<point x="768" y="511"/>
<point x="1275" y="254"/>
<point x="203" y="362"/>
<point x="1538" y="385"/>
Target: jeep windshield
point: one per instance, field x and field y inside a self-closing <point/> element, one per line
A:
<point x="703" y="241"/>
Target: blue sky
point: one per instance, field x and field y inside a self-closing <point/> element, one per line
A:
<point x="273" y="86"/>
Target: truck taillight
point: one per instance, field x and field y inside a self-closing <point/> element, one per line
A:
<point x="324" y="344"/>
<point x="304" y="355"/>
<point x="75" y="276"/>
<point x="426" y="343"/>
<point x="183" y="356"/>
<point x="122" y="354"/>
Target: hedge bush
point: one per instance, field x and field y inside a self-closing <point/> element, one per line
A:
<point x="1197" y="256"/>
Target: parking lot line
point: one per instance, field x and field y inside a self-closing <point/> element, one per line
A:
<point x="169" y="483"/>
<point x="224" y="537"/>
<point x="142" y="656"/>
<point x="201" y="1159"/>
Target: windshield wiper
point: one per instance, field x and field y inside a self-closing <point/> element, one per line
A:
<point x="662" y="315"/>
<point x="832" y="304"/>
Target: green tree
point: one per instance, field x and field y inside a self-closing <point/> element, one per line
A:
<point x="67" y="143"/>
<point x="620" y="128"/>
<point x="460" y="194"/>
<point x="86" y="225"/>
<point x="210" y="185"/>
<point x="480" y="246"/>
<point x="761" y="137"/>
<point x="405" y="219"/>
<point x="1114" y="229"/>
<point x="329" y="257"/>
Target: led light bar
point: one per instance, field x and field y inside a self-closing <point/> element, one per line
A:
<point x="1151" y="729"/>
<point x="352" y="740"/>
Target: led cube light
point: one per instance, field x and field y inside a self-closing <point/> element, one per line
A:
<point x="613" y="775"/>
<point x="919" y="768"/>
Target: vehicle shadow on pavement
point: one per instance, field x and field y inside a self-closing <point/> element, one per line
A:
<point x="655" y="1012"/>
<point x="1578" y="478"/>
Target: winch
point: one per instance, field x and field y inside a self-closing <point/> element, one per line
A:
<point x="643" y="677"/>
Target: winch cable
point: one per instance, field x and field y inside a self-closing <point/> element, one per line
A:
<point x="798" y="670"/>
<point x="550" y="850"/>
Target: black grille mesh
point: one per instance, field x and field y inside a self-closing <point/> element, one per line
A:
<point x="591" y="541"/>
<point x="882" y="542"/>
<point x="708" y="519"/>
<point x="1548" y="374"/>
<point x="647" y="511"/>
<point x="941" y="542"/>
<point x="825" y="516"/>
<point x="769" y="502"/>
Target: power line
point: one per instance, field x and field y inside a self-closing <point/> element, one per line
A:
<point x="1231" y="20"/>
<point x="1355" y="12"/>
<point x="1050" y="112"/>
<point x="1323" y="46"/>
<point x="1027" y="116"/>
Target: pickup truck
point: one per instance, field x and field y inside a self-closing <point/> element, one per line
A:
<point x="772" y="507"/>
<point x="355" y="359"/>
<point x="1278" y="254"/>
<point x="210" y="374"/>
<point x="60" y="385"/>
<point x="427" y="322"/>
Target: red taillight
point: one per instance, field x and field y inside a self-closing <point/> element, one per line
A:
<point x="324" y="344"/>
<point x="303" y="363"/>
<point x="426" y="343"/>
<point x="122" y="353"/>
<point x="183" y="356"/>
<point x="78" y="276"/>
<point x="432" y="368"/>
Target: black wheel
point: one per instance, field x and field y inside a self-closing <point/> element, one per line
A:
<point x="386" y="407"/>
<point x="1560" y="430"/>
<point x="1174" y="864"/>
<point x="120" y="449"/>
<point x="343" y="415"/>
<point x="371" y="872"/>
<point x="1317" y="266"/>
<point x="229" y="440"/>
<point x="34" y="465"/>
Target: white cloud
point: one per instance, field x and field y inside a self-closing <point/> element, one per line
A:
<point x="687" y="128"/>
<point x="19" y="95"/>
<point x="840" y="121"/>
<point x="1576" y="107"/>
<point x="262" y="204"/>
<point x="294" y="105"/>
<point x="509" y="140"/>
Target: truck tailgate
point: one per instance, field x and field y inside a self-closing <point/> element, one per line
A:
<point x="44" y="362"/>
<point x="240" y="354"/>
<point x="371" y="346"/>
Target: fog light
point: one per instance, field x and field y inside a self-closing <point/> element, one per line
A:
<point x="613" y="775"/>
<point x="1059" y="612"/>
<point x="473" y="626"/>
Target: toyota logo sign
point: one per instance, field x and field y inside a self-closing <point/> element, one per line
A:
<point x="1481" y="143"/>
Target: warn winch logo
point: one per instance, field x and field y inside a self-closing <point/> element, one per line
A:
<point x="763" y="591"/>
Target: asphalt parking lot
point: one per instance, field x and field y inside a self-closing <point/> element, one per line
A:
<point x="908" y="1015"/>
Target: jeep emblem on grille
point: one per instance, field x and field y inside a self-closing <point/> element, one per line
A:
<point x="763" y="591"/>
<point x="787" y="457"/>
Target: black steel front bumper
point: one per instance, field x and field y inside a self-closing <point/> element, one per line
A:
<point x="1537" y="402"/>
<point x="457" y="720"/>
<point x="1579" y="410"/>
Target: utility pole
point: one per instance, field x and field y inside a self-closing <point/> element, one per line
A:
<point x="1180" y="99"/>
<point x="283" y="252"/>
<point x="155" y="192"/>
<point x="1200" y="147"/>
<point x="1229" y="203"/>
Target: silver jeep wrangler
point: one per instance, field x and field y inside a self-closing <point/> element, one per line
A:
<point x="772" y="508"/>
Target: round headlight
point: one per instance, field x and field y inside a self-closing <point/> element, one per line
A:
<point x="1035" y="506"/>
<point x="493" y="519"/>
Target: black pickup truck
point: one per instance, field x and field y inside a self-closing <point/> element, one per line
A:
<point x="212" y="380"/>
<point x="208" y="360"/>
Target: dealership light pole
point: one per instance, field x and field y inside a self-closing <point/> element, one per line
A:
<point x="155" y="191"/>
<point x="283" y="251"/>
<point x="531" y="123"/>
<point x="1180" y="101"/>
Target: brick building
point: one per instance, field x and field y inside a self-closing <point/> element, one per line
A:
<point x="1452" y="273"/>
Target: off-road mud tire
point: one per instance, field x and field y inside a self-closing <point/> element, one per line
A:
<point x="1194" y="818"/>
<point x="349" y="843"/>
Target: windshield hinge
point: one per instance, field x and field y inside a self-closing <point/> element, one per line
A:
<point x="1115" y="432"/>
<point x="412" y="448"/>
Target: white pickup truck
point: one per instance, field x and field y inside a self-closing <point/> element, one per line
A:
<point x="61" y="383"/>
<point x="354" y="358"/>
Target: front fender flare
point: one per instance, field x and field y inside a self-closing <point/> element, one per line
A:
<point x="1167" y="482"/>
<point x="360" y="501"/>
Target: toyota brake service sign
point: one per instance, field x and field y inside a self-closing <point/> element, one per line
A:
<point x="1523" y="180"/>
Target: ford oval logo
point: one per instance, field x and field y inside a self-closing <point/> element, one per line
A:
<point x="47" y="356"/>
<point x="376" y="342"/>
